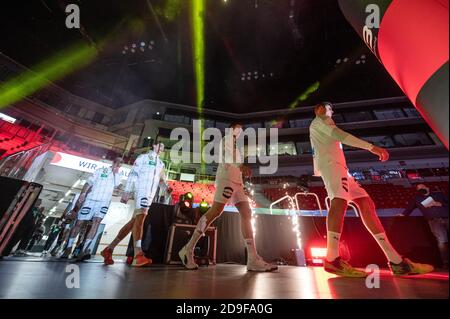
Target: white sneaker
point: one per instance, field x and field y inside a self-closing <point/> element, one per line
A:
<point x="187" y="258"/>
<point x="258" y="264"/>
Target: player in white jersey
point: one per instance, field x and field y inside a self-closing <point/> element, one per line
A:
<point x="95" y="198"/>
<point x="329" y="163"/>
<point x="145" y="177"/>
<point x="229" y="189"/>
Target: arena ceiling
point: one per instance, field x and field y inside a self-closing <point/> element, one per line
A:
<point x="258" y="54"/>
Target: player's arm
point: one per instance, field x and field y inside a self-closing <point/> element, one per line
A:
<point x="88" y="186"/>
<point x="328" y="127"/>
<point x="132" y="178"/>
<point x="163" y="179"/>
<point x="133" y="175"/>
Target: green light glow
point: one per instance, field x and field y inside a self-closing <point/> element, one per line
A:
<point x="198" y="11"/>
<point x="170" y="10"/>
<point x="198" y="8"/>
<point x="50" y="70"/>
<point x="305" y="95"/>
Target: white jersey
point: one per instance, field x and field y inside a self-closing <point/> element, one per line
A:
<point x="229" y="167"/>
<point x="326" y="142"/>
<point x="102" y="182"/>
<point x="146" y="174"/>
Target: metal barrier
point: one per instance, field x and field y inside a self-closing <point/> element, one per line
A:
<point x="309" y="194"/>
<point x="280" y="200"/>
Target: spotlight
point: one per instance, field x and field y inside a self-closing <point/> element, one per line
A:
<point x="142" y="44"/>
<point x="204" y="206"/>
<point x="132" y="51"/>
<point x="133" y="45"/>
<point x="187" y="204"/>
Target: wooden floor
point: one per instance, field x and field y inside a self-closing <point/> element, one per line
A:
<point x="37" y="278"/>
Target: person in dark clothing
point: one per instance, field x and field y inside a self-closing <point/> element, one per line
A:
<point x="28" y="227"/>
<point x="434" y="207"/>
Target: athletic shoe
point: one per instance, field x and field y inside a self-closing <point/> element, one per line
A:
<point x="66" y="253"/>
<point x="140" y="260"/>
<point x="258" y="264"/>
<point x="342" y="268"/>
<point x="187" y="258"/>
<point x="107" y="256"/>
<point x="84" y="255"/>
<point x="20" y="253"/>
<point x="407" y="267"/>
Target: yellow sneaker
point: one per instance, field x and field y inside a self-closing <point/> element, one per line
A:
<point x="342" y="268"/>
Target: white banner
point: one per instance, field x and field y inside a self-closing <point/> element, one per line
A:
<point x="83" y="164"/>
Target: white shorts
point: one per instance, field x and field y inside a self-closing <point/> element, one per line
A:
<point x="93" y="209"/>
<point x="340" y="184"/>
<point x="142" y="200"/>
<point x="229" y="192"/>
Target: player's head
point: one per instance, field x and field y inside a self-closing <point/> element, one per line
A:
<point x="423" y="189"/>
<point x="236" y="128"/>
<point x="118" y="161"/>
<point x="158" y="148"/>
<point x="324" y="109"/>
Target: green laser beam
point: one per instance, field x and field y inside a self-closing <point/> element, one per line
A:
<point x="304" y="96"/>
<point x="198" y="11"/>
<point x="50" y="70"/>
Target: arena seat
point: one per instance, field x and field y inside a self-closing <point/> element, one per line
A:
<point x="384" y="195"/>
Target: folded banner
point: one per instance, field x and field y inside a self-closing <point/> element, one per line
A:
<point x="411" y="40"/>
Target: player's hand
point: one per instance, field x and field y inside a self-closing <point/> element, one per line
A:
<point x="382" y="153"/>
<point x="81" y="199"/>
<point x="125" y="197"/>
<point x="246" y="171"/>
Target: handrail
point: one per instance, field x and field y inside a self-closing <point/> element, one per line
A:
<point x="309" y="194"/>
<point x="280" y="200"/>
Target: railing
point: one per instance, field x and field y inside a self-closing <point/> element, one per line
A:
<point x="14" y="166"/>
<point x="309" y="194"/>
<point x="280" y="200"/>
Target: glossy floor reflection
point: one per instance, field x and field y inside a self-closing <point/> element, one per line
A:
<point x="35" y="278"/>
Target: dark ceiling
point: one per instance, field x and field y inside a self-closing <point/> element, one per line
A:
<point x="291" y="44"/>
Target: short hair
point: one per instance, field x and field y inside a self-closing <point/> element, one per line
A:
<point x="322" y="104"/>
<point x="234" y="124"/>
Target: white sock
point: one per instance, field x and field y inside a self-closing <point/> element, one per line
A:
<point x="332" y="245"/>
<point x="251" y="249"/>
<point x="70" y="242"/>
<point x="87" y="243"/>
<point x="138" y="247"/>
<point x="391" y="254"/>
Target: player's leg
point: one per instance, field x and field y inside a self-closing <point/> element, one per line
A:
<point x="187" y="252"/>
<point x="254" y="261"/>
<point x="123" y="232"/>
<point x="336" y="178"/>
<point x="398" y="264"/>
<point x="73" y="233"/>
